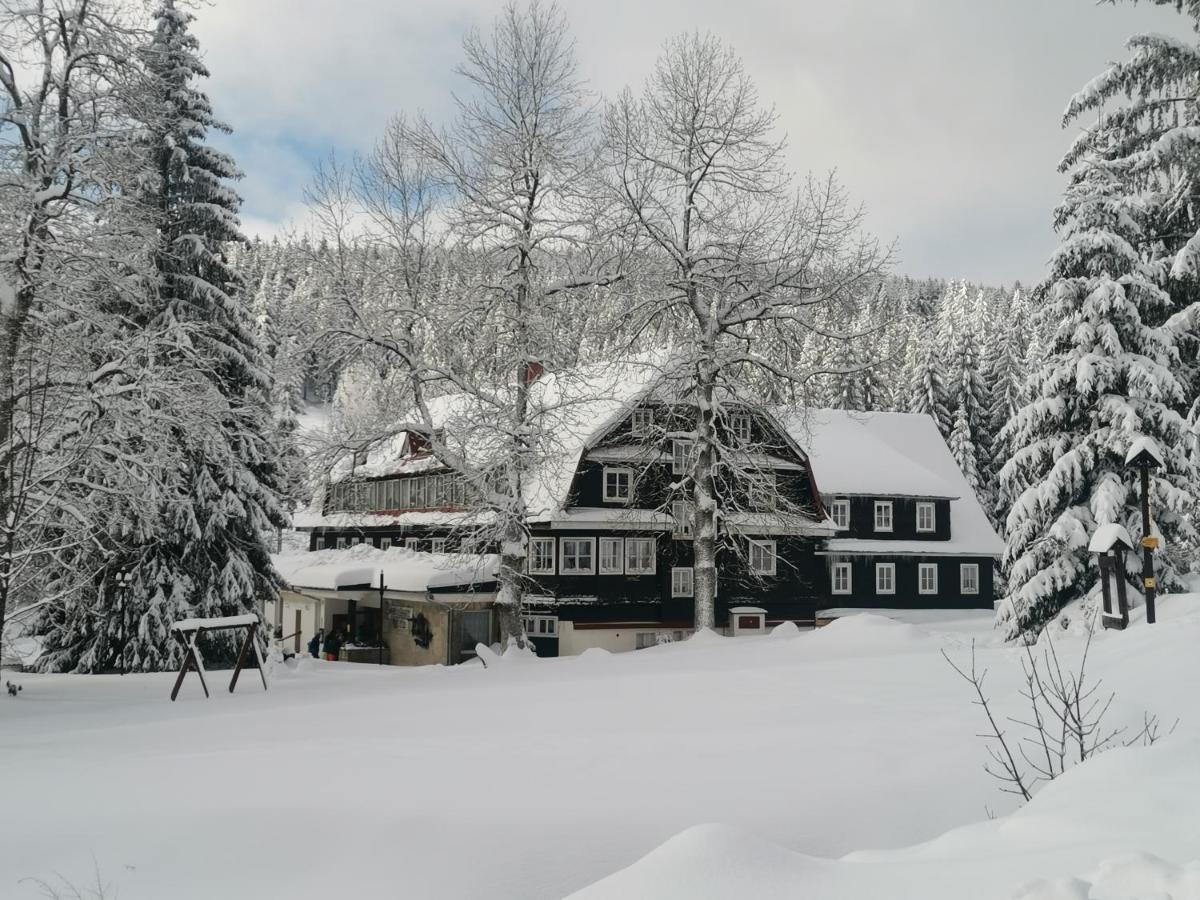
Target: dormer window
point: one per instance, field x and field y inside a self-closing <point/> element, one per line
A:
<point x="883" y="515"/>
<point x="618" y="485"/>
<point x="360" y="458"/>
<point x="739" y="427"/>
<point x="839" y="512"/>
<point x="926" y="517"/>
<point x="641" y="423"/>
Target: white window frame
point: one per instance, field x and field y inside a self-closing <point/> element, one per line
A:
<point x="631" y="545"/>
<point x="641" y="422"/>
<point x="640" y="641"/>
<point x="847" y="569"/>
<point x="771" y="547"/>
<point x="537" y="626"/>
<point x="553" y="554"/>
<point x="739" y="428"/>
<point x="932" y="510"/>
<point x="682" y="516"/>
<point x="565" y="542"/>
<point x="683" y="581"/>
<point x="880" y="506"/>
<point x="437" y="545"/>
<point x="683" y="453"/>
<point x="618" y="471"/>
<point x="922" y="569"/>
<point x="963" y="569"/>
<point x="885" y="585"/>
<point x="410" y="543"/>
<point x="610" y="543"/>
<point x="844" y="504"/>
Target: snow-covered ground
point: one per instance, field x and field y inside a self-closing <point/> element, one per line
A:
<point x="754" y="766"/>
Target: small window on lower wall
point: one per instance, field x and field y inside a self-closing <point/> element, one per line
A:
<point x="343" y="543"/>
<point x="681" y="582"/>
<point x="968" y="578"/>
<point x="841" y="578"/>
<point x="644" y="639"/>
<point x="927" y="578"/>
<point x="885" y="578"/>
<point x="437" y="545"/>
<point x="762" y="557"/>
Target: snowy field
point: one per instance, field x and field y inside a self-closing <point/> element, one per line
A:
<point x="806" y="765"/>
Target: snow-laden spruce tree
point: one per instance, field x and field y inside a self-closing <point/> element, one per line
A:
<point x="741" y="258"/>
<point x="1110" y="376"/>
<point x="211" y="552"/>
<point x="928" y="392"/>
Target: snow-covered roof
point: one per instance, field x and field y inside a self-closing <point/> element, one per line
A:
<point x="1149" y="447"/>
<point x="879" y="454"/>
<point x="567" y="409"/>
<point x="1107" y="537"/>
<point x="886" y="454"/>
<point x="403" y="569"/>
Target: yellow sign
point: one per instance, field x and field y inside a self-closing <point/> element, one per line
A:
<point x="1150" y="542"/>
<point x="1150" y="583"/>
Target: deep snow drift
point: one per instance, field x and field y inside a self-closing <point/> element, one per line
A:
<point x="534" y="779"/>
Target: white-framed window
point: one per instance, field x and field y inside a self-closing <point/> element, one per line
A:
<point x="412" y="544"/>
<point x="681" y="513"/>
<point x="885" y="578"/>
<point x="644" y="639"/>
<point x="926" y="517"/>
<point x="541" y="626"/>
<point x="762" y="557"/>
<point x="683" y="454"/>
<point x="927" y="578"/>
<point x="641" y="422"/>
<point x="763" y="490"/>
<point x="361" y="539"/>
<point x="739" y="427"/>
<point x="343" y="542"/>
<point x="541" y="556"/>
<point x="576" y="556"/>
<point x="612" y="556"/>
<point x="842" y="582"/>
<point x="618" y="485"/>
<point x="839" y="512"/>
<point x="968" y="578"/>
<point x="681" y="582"/>
<point x="883" y="515"/>
<point x="437" y="545"/>
<point x="640" y="556"/>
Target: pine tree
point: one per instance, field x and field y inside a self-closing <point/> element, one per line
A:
<point x="212" y="555"/>
<point x="926" y="389"/>
<point x="1108" y="378"/>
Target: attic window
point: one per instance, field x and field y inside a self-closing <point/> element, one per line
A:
<point x="883" y="515"/>
<point x="641" y="422"/>
<point x="360" y="458"/>
<point x="739" y="426"/>
<point x="417" y="443"/>
<point x="839" y="512"/>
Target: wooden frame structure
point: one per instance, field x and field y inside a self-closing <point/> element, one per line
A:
<point x="189" y="631"/>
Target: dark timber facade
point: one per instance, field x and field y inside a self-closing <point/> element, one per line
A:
<point x="612" y="566"/>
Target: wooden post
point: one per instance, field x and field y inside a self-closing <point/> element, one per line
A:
<point x="1149" y="584"/>
<point x="379" y="636"/>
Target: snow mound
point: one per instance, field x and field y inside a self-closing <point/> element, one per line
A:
<point x="785" y="630"/>
<point x="867" y="633"/>
<point x="705" y="637"/>
<point x="595" y="655"/>
<point x="710" y="861"/>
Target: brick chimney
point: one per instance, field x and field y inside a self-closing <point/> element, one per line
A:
<point x="531" y="371"/>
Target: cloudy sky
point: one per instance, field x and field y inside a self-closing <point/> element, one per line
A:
<point x="942" y="116"/>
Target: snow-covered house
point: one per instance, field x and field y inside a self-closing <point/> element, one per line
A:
<point x="832" y="510"/>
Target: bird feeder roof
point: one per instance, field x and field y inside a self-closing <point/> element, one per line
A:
<point x="1108" y="537"/>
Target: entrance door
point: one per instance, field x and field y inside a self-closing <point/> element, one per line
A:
<point x="474" y="627"/>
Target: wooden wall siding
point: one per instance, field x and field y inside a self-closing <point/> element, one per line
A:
<point x="908" y="595"/>
<point x="904" y="519"/>
<point x="796" y="591"/>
